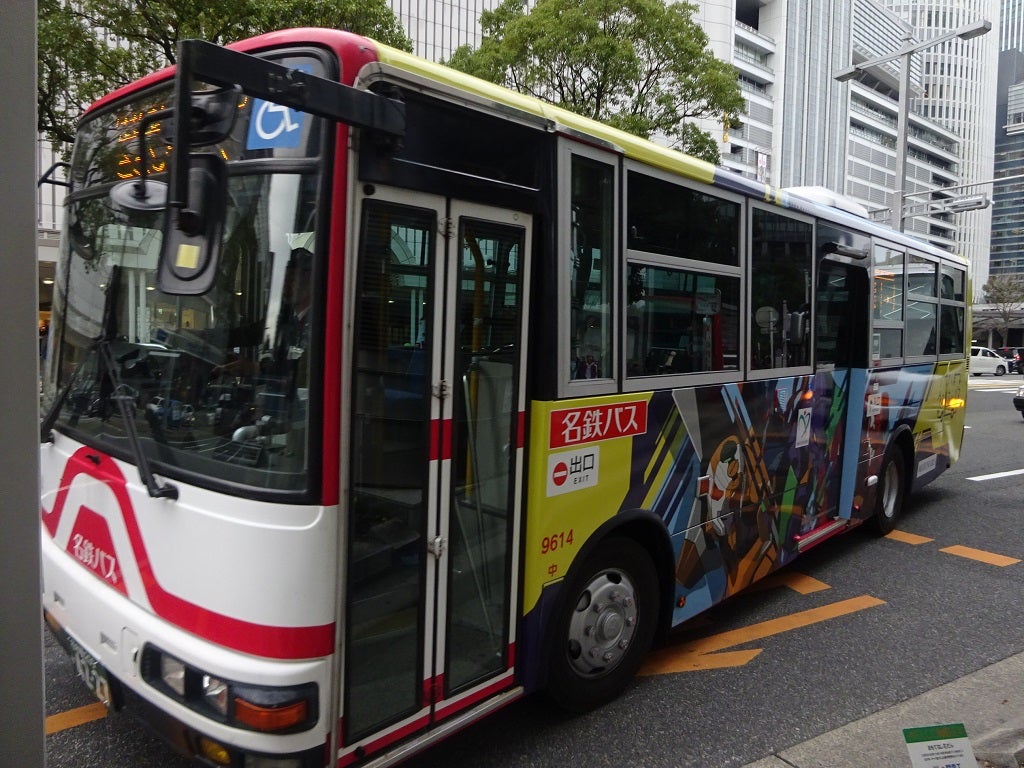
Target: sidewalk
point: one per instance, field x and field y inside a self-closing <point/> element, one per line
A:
<point x="989" y="702"/>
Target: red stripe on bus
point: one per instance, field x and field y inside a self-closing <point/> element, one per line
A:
<point x="440" y="439"/>
<point x="521" y="430"/>
<point x="236" y="634"/>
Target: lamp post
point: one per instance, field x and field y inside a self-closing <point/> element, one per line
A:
<point x="966" y="32"/>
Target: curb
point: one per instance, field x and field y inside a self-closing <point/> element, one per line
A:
<point x="1002" y="747"/>
<point x="989" y="702"/>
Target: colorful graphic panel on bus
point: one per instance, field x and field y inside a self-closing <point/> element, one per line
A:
<point x="738" y="473"/>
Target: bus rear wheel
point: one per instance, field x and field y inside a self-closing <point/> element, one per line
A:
<point x="605" y="626"/>
<point x="891" y="491"/>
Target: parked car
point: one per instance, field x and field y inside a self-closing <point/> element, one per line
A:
<point x="1018" y="400"/>
<point x="1014" y="357"/>
<point x="985" y="360"/>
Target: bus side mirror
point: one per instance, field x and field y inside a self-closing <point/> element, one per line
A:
<point x="192" y="234"/>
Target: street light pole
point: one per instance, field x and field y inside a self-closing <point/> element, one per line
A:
<point x="902" y="120"/>
<point x="966" y="32"/>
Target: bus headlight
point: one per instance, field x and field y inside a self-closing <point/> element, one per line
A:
<point x="264" y="708"/>
<point x="172" y="672"/>
<point x="215" y="693"/>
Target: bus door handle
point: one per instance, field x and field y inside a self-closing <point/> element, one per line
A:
<point x="436" y="546"/>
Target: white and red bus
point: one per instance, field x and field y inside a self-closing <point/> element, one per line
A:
<point x="379" y="396"/>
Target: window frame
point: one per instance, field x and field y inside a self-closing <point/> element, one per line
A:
<point x="955" y="303"/>
<point x="932" y="300"/>
<point x="756" y="374"/>
<point x="875" y="359"/>
<point x="661" y="261"/>
<point x="568" y="387"/>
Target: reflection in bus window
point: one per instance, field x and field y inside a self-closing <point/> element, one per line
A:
<point x="952" y="283"/>
<point x="921" y="323"/>
<point x="780" y="291"/>
<point x="674" y="220"/>
<point x="951" y="330"/>
<point x="921" y="277"/>
<point x="887" y="303"/>
<point x="679" y="321"/>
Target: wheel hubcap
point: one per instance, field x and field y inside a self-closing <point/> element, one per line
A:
<point x="891" y="490"/>
<point x="603" y="623"/>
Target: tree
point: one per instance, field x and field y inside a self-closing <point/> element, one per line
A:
<point x="90" y="47"/>
<point x="640" y="65"/>
<point x="1006" y="294"/>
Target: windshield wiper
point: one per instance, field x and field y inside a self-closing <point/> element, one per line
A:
<point x="120" y="396"/>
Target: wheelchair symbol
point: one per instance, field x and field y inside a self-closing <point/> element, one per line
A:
<point x="273" y="120"/>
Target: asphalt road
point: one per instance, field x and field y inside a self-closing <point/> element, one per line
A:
<point x="856" y="625"/>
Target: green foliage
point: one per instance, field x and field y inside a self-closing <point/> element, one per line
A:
<point x="640" y="65"/>
<point x="90" y="47"/>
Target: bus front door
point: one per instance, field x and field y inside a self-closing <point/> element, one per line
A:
<point x="435" y="463"/>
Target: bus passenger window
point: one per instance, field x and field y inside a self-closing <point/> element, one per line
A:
<point x="591" y="228"/>
<point x="678" y="321"/>
<point x="780" y="291"/>
<point x="841" y="324"/>
<point x="951" y="313"/>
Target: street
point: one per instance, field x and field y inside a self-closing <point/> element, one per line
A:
<point x="854" y="626"/>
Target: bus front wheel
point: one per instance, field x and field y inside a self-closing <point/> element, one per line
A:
<point x="890" y="493"/>
<point x="605" y="627"/>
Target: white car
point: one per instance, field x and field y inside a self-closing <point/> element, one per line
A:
<point x="985" y="360"/>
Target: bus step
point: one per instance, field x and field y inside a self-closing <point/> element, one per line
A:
<point x="819" y="534"/>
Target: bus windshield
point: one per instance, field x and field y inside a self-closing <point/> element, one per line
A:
<point x="218" y="385"/>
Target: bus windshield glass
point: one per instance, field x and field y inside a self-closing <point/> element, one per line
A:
<point x="218" y="385"/>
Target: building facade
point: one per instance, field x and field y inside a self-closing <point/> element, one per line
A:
<point x="959" y="93"/>
<point x="1007" y="254"/>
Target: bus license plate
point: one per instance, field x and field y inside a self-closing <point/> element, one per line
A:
<point x="92" y="673"/>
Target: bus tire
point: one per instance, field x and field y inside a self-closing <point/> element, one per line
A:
<point x="605" y="626"/>
<point x="891" y="491"/>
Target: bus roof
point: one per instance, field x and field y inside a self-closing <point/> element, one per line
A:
<point x="646" y="151"/>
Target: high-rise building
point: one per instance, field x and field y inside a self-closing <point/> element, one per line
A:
<point x="438" y="27"/>
<point x="1007" y="255"/>
<point x="802" y="128"/>
<point x="1007" y="251"/>
<point x="959" y="78"/>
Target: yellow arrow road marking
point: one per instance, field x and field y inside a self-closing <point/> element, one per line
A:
<point x="79" y="716"/>
<point x="703" y="653"/>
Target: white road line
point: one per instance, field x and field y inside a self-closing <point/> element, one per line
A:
<point x="996" y="475"/>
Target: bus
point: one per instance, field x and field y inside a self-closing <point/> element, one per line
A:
<point x="379" y="396"/>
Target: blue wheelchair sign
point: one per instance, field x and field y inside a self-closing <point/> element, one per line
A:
<point x="273" y="126"/>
